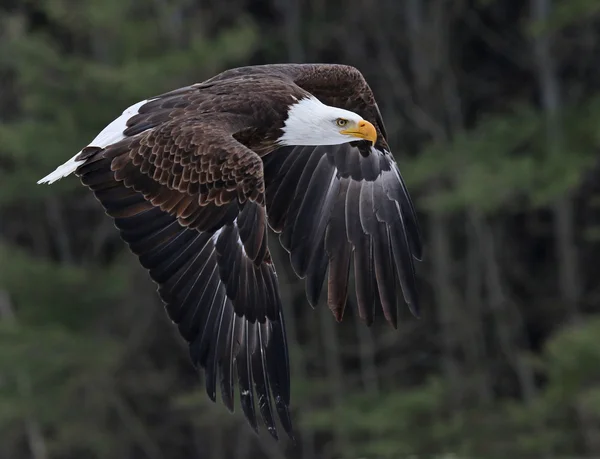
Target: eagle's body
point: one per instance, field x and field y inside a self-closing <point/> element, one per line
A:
<point x="194" y="177"/>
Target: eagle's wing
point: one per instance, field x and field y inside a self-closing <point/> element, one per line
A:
<point x="189" y="201"/>
<point x="333" y="202"/>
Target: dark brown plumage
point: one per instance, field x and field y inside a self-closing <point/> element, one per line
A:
<point x="197" y="178"/>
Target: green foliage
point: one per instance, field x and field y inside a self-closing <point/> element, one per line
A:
<point x="567" y="13"/>
<point x="137" y="69"/>
<point x="389" y="424"/>
<point x="425" y="420"/>
<point x="505" y="162"/>
<point x="70" y="288"/>
<point x="51" y="359"/>
<point x="573" y="362"/>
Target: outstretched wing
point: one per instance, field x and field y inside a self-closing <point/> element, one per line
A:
<point x="332" y="203"/>
<point x="189" y="201"/>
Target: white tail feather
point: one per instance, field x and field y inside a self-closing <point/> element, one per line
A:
<point x="62" y="171"/>
<point x="109" y="135"/>
<point x="114" y="131"/>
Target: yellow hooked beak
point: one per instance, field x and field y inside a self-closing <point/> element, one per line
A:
<point x="363" y="130"/>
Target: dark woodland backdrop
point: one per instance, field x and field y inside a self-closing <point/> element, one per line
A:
<point x="493" y="108"/>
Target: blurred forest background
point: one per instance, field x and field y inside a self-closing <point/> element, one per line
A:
<point x="493" y="109"/>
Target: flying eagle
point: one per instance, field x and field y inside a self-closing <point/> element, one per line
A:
<point x="193" y="179"/>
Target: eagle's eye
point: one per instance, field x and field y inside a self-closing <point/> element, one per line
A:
<point x="341" y="122"/>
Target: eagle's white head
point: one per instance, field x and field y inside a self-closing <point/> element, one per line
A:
<point x="310" y="122"/>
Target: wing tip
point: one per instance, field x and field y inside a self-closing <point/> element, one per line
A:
<point x="285" y="417"/>
<point x="368" y="320"/>
<point x="338" y="311"/>
<point x="415" y="310"/>
<point x="212" y="394"/>
<point x="273" y="432"/>
<point x="418" y="253"/>
<point x="292" y="438"/>
<point x="393" y="321"/>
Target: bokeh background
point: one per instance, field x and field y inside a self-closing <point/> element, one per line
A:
<point x="493" y="110"/>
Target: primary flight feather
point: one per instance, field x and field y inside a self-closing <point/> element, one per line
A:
<point x="193" y="179"/>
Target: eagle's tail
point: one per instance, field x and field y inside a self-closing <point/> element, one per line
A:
<point x="63" y="170"/>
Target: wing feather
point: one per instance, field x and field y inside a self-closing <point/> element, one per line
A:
<point x="353" y="210"/>
<point x="293" y="205"/>
<point x="315" y="209"/>
<point x="227" y="361"/>
<point x="261" y="380"/>
<point x="244" y="371"/>
<point x="286" y="182"/>
<point x="339" y="251"/>
<point x="215" y="276"/>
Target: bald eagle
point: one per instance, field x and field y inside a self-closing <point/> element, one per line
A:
<point x="193" y="179"/>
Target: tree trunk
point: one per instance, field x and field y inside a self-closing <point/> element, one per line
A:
<point x="566" y="247"/>
<point x="35" y="437"/>
<point x="335" y="373"/>
<point x="568" y="257"/>
<point x="425" y="37"/>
